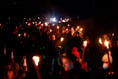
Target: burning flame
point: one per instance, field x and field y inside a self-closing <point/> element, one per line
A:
<point x="36" y="60"/>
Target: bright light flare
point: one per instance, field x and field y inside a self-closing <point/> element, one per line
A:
<point x="36" y="60"/>
<point x="100" y="40"/>
<point x="68" y="25"/>
<point x="85" y="43"/>
<point x="53" y="19"/>
<point x="62" y="39"/>
<point x="106" y="43"/>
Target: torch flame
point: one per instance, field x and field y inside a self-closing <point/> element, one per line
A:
<point x="36" y="60"/>
<point x="57" y="27"/>
<point x="85" y="43"/>
<point x="62" y="39"/>
<point x="106" y="43"/>
<point x="81" y="29"/>
<point x="100" y="40"/>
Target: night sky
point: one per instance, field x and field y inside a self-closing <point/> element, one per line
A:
<point x="83" y="8"/>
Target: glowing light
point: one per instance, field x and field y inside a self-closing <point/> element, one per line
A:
<point x="100" y="40"/>
<point x="19" y="35"/>
<point x="36" y="60"/>
<point x="46" y="24"/>
<point x="77" y="28"/>
<point x="12" y="55"/>
<point x="53" y="19"/>
<point x="106" y="43"/>
<point x="25" y="63"/>
<point x="63" y="21"/>
<point x="50" y="30"/>
<point x="39" y="22"/>
<point x="32" y="22"/>
<point x="66" y="29"/>
<point x="59" y="21"/>
<point x="68" y="25"/>
<point x="57" y="27"/>
<point x="85" y="43"/>
<point x="24" y="18"/>
<point x="62" y="39"/>
<point x="53" y="24"/>
<point x="25" y="34"/>
<point x="26" y="22"/>
<point x="29" y="24"/>
<point x="81" y="29"/>
<point x="105" y="65"/>
<point x="113" y="34"/>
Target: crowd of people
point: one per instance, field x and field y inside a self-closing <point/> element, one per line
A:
<point x="60" y="46"/>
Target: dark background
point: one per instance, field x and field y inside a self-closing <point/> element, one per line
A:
<point x="98" y="16"/>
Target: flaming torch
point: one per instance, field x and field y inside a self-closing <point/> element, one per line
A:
<point x="84" y="47"/>
<point x="36" y="60"/>
<point x="100" y="40"/>
<point x="106" y="43"/>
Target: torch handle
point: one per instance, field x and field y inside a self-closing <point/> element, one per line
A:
<point x="37" y="72"/>
<point x="83" y="54"/>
